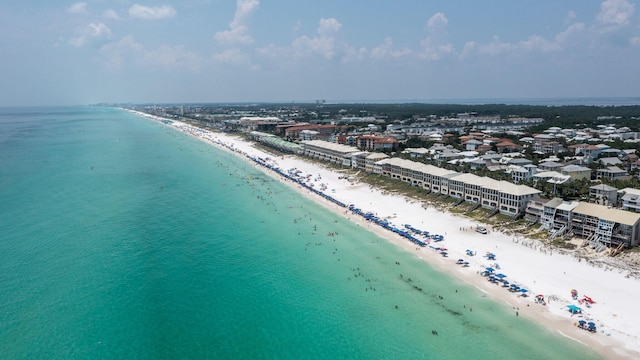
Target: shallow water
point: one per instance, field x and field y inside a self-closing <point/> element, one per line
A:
<point x="124" y="238"/>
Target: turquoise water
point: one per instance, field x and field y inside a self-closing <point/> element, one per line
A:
<point x="124" y="238"/>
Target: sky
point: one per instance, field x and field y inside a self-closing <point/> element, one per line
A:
<point x="118" y="51"/>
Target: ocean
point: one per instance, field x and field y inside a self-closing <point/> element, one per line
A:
<point x="121" y="237"/>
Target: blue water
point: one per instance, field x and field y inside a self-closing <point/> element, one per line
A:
<point x="121" y="237"/>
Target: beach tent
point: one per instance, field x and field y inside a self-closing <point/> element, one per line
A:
<point x="574" y="309"/>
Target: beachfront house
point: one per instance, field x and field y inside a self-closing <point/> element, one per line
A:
<point x="371" y="159"/>
<point x="630" y="199"/>
<point x="604" y="225"/>
<point x="328" y="151"/>
<point x="465" y="186"/>
<point x="556" y="216"/>
<point x="534" y="209"/>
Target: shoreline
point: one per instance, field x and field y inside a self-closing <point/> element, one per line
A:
<point x="551" y="274"/>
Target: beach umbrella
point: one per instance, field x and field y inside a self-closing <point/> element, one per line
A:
<point x="501" y="276"/>
<point x="489" y="269"/>
<point x="523" y="290"/>
<point x="582" y="322"/>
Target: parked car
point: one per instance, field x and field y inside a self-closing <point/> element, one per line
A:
<point x="481" y="230"/>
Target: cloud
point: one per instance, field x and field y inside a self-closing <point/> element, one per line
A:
<point x="127" y="50"/>
<point x="78" y="8"/>
<point x="231" y="56"/>
<point x="534" y="44"/>
<point x="235" y="57"/>
<point x="115" y="54"/>
<point x="151" y="12"/>
<point x="238" y="30"/>
<point x="571" y="15"/>
<point x="615" y="12"/>
<point x="434" y="45"/>
<point x="635" y="41"/>
<point x="386" y="51"/>
<point x="91" y="32"/>
<point x="437" y="22"/>
<point x="328" y="27"/>
<point x="111" y="14"/>
<point x="173" y="57"/>
<point x="573" y="35"/>
<point x="324" y="44"/>
<point x="570" y="33"/>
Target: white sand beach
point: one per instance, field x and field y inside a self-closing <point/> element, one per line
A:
<point x="525" y="261"/>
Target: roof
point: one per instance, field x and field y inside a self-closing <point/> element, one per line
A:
<point x="345" y="149"/>
<point x="609" y="214"/>
<point x="612" y="169"/>
<point x="416" y="150"/>
<point x="575" y="168"/>
<point x="603" y="187"/>
<point x="550" y="164"/>
<point x="630" y="191"/>
<point x="376" y="156"/>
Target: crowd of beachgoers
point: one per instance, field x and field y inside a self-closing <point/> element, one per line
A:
<point x="559" y="291"/>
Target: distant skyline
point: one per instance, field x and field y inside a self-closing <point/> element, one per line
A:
<point x="65" y="53"/>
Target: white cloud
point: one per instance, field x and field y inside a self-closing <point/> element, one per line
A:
<point x="151" y="12"/>
<point x="78" y="8"/>
<point x="173" y="57"/>
<point x="571" y="32"/>
<point x="235" y="57"/>
<point x="327" y="45"/>
<point x="324" y="44"/>
<point x="572" y="35"/>
<point x="111" y="14"/>
<point x="635" y="41"/>
<point x="437" y="21"/>
<point x="571" y="15"/>
<point x="91" y="32"/>
<point x="615" y="12"/>
<point x="433" y="52"/>
<point x="238" y="30"/>
<point x="117" y="54"/>
<point x="328" y="27"/>
<point x="386" y="51"/>
<point x="435" y="46"/>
